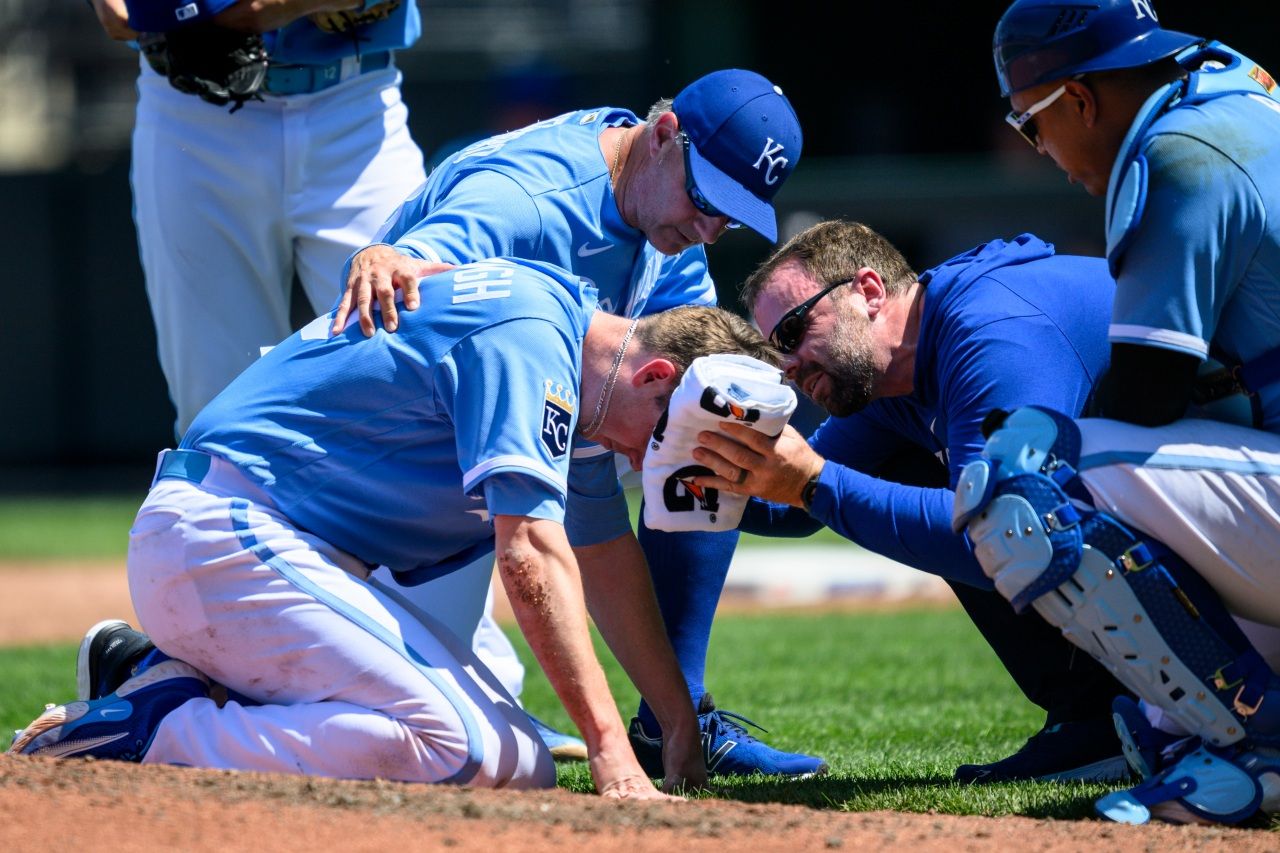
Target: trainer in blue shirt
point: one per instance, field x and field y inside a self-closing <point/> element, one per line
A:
<point x="908" y="368"/>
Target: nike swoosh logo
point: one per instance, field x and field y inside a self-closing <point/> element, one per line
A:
<point x="113" y="713"/>
<point x="482" y="514"/>
<point x="586" y="250"/>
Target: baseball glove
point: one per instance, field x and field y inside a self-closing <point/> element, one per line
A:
<point x="218" y="65"/>
<point x="346" y="21"/>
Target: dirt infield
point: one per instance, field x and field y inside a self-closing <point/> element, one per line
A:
<point x="87" y="805"/>
<point x="56" y="602"/>
<point x="100" y="806"/>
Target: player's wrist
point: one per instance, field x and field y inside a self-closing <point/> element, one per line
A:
<point x="810" y="487"/>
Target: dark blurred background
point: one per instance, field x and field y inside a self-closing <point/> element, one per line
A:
<point x="903" y="128"/>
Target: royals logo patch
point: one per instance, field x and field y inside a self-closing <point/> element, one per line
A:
<point x="557" y="417"/>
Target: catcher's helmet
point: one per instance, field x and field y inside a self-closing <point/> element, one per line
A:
<point x="1041" y="40"/>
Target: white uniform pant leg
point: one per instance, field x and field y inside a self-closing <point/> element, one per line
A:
<point x="1208" y="490"/>
<point x="495" y="651"/>
<point x="215" y="252"/>
<point x="349" y="164"/>
<point x="463" y="601"/>
<point x="352" y="686"/>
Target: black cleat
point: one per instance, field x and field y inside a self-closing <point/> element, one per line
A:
<point x="1080" y="750"/>
<point x="108" y="654"/>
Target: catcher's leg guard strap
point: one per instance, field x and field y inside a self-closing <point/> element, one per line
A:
<point x="1091" y="577"/>
<point x="1207" y="785"/>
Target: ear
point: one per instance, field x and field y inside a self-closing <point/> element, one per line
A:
<point x="869" y="284"/>
<point x="1084" y="100"/>
<point x="665" y="128"/>
<point x="654" y="370"/>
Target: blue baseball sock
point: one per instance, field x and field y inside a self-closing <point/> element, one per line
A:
<point x="156" y="656"/>
<point x="149" y="660"/>
<point x="688" y="571"/>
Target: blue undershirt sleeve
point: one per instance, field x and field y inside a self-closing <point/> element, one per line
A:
<point x="764" y="518"/>
<point x="597" y="507"/>
<point x="997" y="366"/>
<point x="909" y="524"/>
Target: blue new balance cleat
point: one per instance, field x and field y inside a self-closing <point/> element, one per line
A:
<point x="727" y="747"/>
<point x="120" y="726"/>
<point x="563" y="747"/>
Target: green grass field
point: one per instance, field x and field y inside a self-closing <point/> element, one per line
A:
<point x="894" y="701"/>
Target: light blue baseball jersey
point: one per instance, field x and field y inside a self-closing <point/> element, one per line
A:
<point x="393" y="25"/>
<point x="1203" y="268"/>
<point x="543" y="192"/>
<point x="399" y="448"/>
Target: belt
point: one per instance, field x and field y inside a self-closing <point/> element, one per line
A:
<point x="212" y="473"/>
<point x="305" y="79"/>
<point x="190" y="465"/>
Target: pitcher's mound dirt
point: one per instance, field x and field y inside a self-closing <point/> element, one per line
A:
<point x="87" y="805"/>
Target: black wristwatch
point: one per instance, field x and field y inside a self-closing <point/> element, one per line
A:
<point x="806" y="494"/>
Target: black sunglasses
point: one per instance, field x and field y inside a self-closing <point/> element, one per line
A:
<point x="696" y="197"/>
<point x="789" y="331"/>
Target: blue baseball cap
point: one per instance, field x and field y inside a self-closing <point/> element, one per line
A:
<point x="744" y="140"/>
<point x="1038" y="41"/>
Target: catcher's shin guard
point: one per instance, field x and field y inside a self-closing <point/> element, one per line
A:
<point x="1206" y="786"/>
<point x="1112" y="593"/>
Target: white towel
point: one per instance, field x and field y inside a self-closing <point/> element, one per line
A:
<point x="715" y="388"/>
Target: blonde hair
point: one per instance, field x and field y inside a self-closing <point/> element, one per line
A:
<point x="683" y="334"/>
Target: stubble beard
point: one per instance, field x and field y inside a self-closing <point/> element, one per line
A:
<point x="850" y="368"/>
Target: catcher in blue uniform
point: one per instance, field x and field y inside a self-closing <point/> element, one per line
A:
<point x="1148" y="533"/>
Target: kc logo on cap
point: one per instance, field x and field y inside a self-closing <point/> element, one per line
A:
<point x="744" y="141"/>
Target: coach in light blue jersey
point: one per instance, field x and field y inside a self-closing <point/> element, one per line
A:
<point x="909" y="367"/>
<point x="249" y="561"/>
<point x="628" y="204"/>
<point x="1163" y="510"/>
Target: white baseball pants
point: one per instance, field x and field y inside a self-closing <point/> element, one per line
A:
<point x="1208" y="490"/>
<point x="229" y="206"/>
<point x="351" y="684"/>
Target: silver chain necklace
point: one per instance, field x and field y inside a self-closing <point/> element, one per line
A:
<point x="606" y="393"/>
